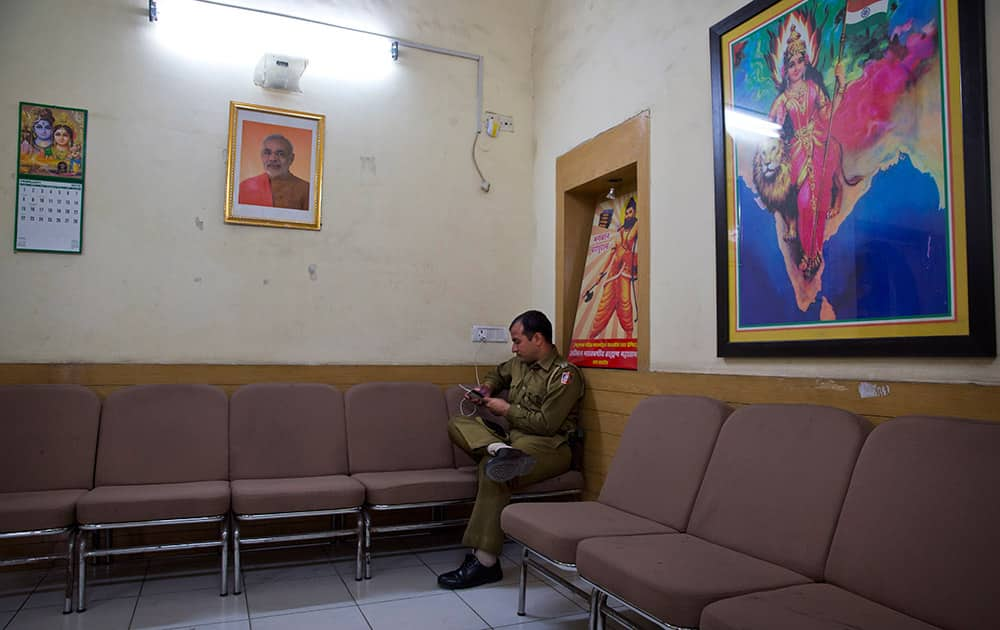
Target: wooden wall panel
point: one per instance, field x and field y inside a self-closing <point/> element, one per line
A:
<point x="104" y="377"/>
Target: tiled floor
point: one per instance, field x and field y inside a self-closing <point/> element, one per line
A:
<point x="287" y="589"/>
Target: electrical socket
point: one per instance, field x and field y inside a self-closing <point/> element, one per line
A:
<point x="489" y="334"/>
<point x="494" y="122"/>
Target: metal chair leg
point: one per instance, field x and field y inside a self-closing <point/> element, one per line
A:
<point x="70" y="570"/>
<point x="598" y="599"/>
<point x="367" y="519"/>
<point x="523" y="586"/>
<point x="224" y="535"/>
<point x="81" y="575"/>
<point x="359" y="556"/>
<point x="236" y="556"/>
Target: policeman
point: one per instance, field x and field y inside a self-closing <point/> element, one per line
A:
<point x="541" y="407"/>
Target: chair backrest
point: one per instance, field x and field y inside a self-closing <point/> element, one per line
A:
<point x="163" y="434"/>
<point x="920" y="527"/>
<point x="662" y="456"/>
<point x="397" y="426"/>
<point x="456" y="407"/>
<point x="776" y="482"/>
<point x="49" y="437"/>
<point x="279" y="430"/>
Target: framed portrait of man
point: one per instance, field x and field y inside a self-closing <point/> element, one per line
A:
<point x="274" y="167"/>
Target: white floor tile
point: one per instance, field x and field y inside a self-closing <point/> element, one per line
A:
<point x="188" y="609"/>
<point x="348" y="618"/>
<point x="573" y="622"/>
<point x="225" y="625"/>
<point x="176" y="575"/>
<point x="379" y="563"/>
<point x="394" y="584"/>
<point x="17" y="586"/>
<point x="53" y="593"/>
<point x="13" y="599"/>
<point x="292" y="596"/>
<point x="155" y="585"/>
<point x="108" y="614"/>
<point x="274" y="572"/>
<point x="433" y="612"/>
<point x="498" y="604"/>
<point x="257" y="557"/>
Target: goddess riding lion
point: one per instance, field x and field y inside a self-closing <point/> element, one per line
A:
<point x="772" y="177"/>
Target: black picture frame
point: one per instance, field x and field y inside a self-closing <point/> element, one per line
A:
<point x="971" y="331"/>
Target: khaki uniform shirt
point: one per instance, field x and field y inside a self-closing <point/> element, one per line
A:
<point x="544" y="396"/>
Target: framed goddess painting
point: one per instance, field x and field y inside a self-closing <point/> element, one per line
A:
<point x="852" y="179"/>
<point x="275" y="167"/>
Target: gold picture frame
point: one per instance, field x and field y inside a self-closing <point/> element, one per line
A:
<point x="270" y="180"/>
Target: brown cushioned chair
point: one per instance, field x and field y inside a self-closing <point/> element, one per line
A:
<point x="916" y="546"/>
<point x="398" y="448"/>
<point x="288" y="459"/>
<point x="46" y="464"/>
<point x="162" y="460"/>
<point x="763" y="518"/>
<point x="650" y="487"/>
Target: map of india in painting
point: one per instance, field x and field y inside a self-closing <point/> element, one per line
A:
<point x="843" y="210"/>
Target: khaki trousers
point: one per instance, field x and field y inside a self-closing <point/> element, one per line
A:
<point x="472" y="435"/>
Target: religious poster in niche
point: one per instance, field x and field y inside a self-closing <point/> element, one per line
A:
<point x="607" y="313"/>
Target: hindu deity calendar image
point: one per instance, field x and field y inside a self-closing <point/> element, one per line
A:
<point x="607" y="314"/>
<point x="52" y="141"/>
<point x="845" y="185"/>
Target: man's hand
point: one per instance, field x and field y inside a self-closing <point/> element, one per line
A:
<point x="483" y="392"/>
<point x="498" y="406"/>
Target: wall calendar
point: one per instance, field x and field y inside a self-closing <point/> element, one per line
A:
<point x="50" y="179"/>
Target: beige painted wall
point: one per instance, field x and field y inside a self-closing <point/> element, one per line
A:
<point x="411" y="253"/>
<point x="599" y="63"/>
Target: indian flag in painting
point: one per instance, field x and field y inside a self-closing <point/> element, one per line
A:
<point x="858" y="10"/>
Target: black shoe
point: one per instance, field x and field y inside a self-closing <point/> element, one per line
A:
<point x="509" y="463"/>
<point x="470" y="574"/>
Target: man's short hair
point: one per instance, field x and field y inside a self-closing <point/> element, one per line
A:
<point x="534" y="322"/>
<point x="278" y="136"/>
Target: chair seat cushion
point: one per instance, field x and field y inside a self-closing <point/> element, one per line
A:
<point x="569" y="480"/>
<point x="147" y="502"/>
<point x="806" y="607"/>
<point x="674" y="576"/>
<point x="417" y="486"/>
<point x="555" y="529"/>
<point x="296" y="494"/>
<point x="42" y="509"/>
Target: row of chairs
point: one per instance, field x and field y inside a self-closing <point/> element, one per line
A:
<point x="781" y="517"/>
<point x="169" y="456"/>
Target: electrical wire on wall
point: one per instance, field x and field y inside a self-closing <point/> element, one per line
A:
<point x="483" y="184"/>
